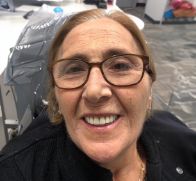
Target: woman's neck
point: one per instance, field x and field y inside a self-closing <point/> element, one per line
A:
<point x="131" y="165"/>
<point x="135" y="171"/>
<point x="128" y="166"/>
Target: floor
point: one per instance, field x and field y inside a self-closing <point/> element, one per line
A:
<point x="173" y="48"/>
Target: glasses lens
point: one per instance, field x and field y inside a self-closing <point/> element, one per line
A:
<point x="70" y="73"/>
<point x="123" y="70"/>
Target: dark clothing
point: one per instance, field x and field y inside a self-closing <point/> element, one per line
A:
<point x="45" y="153"/>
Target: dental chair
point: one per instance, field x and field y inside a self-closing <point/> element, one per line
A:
<point x="23" y="85"/>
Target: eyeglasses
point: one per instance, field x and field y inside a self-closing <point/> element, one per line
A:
<point x="119" y="70"/>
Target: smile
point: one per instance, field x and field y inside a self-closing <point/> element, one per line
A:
<point x="100" y="121"/>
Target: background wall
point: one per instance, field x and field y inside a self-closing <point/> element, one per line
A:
<point x="141" y="1"/>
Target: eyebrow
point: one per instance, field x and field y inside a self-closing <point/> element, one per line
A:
<point x="107" y="54"/>
<point x="115" y="51"/>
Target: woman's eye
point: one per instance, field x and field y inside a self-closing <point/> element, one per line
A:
<point x="74" y="70"/>
<point x="121" y="67"/>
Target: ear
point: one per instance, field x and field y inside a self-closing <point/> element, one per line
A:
<point x="59" y="111"/>
<point x="149" y="103"/>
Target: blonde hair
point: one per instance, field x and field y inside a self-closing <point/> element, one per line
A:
<point x="75" y="20"/>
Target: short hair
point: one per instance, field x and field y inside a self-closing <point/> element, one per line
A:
<point x="75" y="20"/>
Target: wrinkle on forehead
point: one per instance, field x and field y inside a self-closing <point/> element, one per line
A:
<point x="98" y="35"/>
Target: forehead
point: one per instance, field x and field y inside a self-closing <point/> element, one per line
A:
<point x="97" y="36"/>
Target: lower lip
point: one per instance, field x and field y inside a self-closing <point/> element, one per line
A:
<point x="102" y="128"/>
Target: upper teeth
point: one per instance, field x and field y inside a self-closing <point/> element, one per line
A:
<point x="100" y="120"/>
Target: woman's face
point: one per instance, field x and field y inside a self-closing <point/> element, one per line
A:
<point x="98" y="99"/>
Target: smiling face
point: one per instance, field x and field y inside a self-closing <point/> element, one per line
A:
<point x="97" y="101"/>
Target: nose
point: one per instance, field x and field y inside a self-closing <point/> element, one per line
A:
<point x="96" y="91"/>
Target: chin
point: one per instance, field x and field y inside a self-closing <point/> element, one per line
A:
<point x="101" y="154"/>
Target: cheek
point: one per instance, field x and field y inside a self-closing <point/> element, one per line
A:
<point x="136" y="100"/>
<point x="67" y="101"/>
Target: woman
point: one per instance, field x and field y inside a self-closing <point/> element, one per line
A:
<point x="101" y="76"/>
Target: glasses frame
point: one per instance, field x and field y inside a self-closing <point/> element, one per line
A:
<point x="145" y="60"/>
